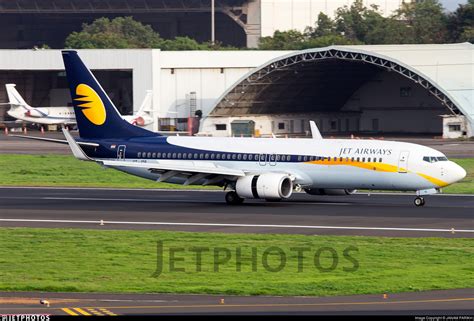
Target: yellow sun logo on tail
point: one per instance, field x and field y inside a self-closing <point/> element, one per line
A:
<point x="91" y="104"/>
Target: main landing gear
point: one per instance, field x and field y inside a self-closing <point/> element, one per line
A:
<point x="419" y="201"/>
<point x="232" y="198"/>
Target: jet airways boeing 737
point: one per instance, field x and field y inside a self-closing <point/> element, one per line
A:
<point x="251" y="168"/>
<point x="64" y="115"/>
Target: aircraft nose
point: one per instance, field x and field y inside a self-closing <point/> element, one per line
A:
<point x="456" y="172"/>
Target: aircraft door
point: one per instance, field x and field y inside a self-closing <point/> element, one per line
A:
<point x="403" y="162"/>
<point x="121" y="152"/>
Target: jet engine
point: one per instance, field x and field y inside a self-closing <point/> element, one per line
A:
<point x="267" y="186"/>
<point x="329" y="191"/>
<point x="36" y="113"/>
<point x="141" y="121"/>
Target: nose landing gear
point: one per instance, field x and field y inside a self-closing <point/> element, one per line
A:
<point x="419" y="201"/>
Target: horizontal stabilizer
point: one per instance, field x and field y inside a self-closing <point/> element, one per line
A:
<point x="53" y="140"/>
<point x="76" y="150"/>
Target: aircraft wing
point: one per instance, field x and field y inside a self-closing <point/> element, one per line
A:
<point x="196" y="167"/>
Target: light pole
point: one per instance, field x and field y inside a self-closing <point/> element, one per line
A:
<point x="213" y="23"/>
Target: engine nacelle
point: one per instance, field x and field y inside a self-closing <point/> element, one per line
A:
<point x="36" y="113"/>
<point x="141" y="121"/>
<point x="329" y="191"/>
<point x="267" y="186"/>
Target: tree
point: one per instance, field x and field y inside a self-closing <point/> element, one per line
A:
<point x="461" y="22"/>
<point x="350" y="21"/>
<point x="427" y="20"/>
<point x="182" y="43"/>
<point x="325" y="26"/>
<point x="121" y="32"/>
<point x="389" y="31"/>
<point x="283" y="40"/>
<point x="329" y="40"/>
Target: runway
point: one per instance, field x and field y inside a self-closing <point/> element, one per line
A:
<point x="206" y="211"/>
<point x="454" y="302"/>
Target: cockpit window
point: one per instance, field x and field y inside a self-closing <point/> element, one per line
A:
<point x="434" y="159"/>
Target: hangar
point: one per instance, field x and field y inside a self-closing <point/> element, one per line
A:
<point x="394" y="89"/>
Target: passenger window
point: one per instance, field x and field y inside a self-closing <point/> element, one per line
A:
<point x="149" y="155"/>
<point x="179" y="155"/>
<point x="169" y="155"/>
<point x="380" y="160"/>
<point x="158" y="155"/>
<point x="234" y="156"/>
<point x="228" y="156"/>
<point x="201" y="156"/>
<point x="207" y="156"/>
<point x="218" y="156"/>
<point x="250" y="156"/>
<point x="185" y="155"/>
<point x="239" y="156"/>
<point x="195" y="155"/>
<point x="305" y="158"/>
<point x="363" y="159"/>
<point x="245" y="156"/>
<point x="139" y="154"/>
<point x="299" y="158"/>
<point x="153" y="155"/>
<point x="213" y="156"/>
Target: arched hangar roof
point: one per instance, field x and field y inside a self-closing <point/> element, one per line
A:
<point x="327" y="77"/>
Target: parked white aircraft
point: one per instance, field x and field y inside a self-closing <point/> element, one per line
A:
<point x="265" y="168"/>
<point x="20" y="110"/>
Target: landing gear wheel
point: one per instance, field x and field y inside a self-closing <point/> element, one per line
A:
<point x="419" y="201"/>
<point x="232" y="198"/>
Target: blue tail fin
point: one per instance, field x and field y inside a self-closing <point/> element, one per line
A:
<point x="96" y="115"/>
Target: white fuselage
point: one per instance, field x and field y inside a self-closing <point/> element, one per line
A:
<point x="315" y="163"/>
<point x="44" y="115"/>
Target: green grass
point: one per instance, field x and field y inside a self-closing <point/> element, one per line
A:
<point x="125" y="261"/>
<point x="466" y="186"/>
<point x="62" y="170"/>
<point x="65" y="170"/>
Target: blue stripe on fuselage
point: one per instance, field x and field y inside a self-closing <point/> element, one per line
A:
<point x="159" y="144"/>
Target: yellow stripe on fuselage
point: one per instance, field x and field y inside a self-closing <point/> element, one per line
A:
<point x="434" y="180"/>
<point x="381" y="167"/>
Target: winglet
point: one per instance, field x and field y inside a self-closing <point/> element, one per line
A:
<point x="314" y="130"/>
<point x="76" y="150"/>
